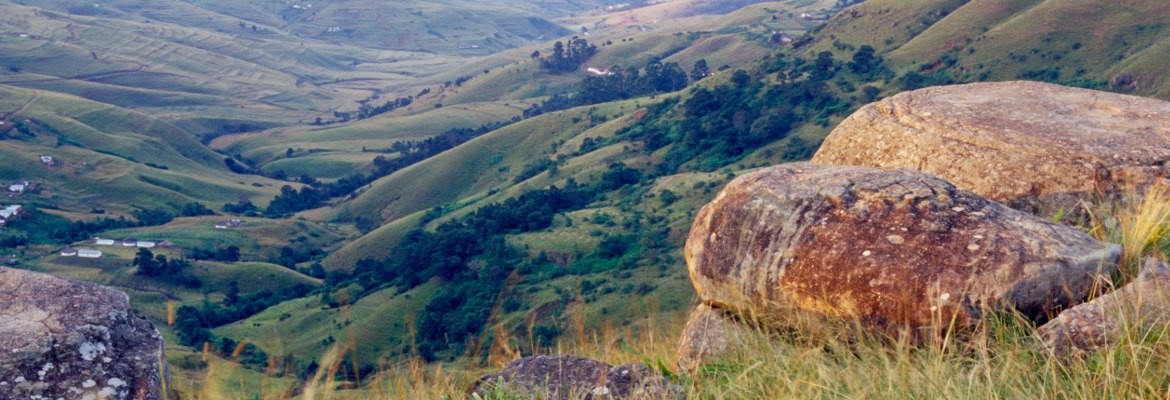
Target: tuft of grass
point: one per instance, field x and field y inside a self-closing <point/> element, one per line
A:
<point x="1143" y="225"/>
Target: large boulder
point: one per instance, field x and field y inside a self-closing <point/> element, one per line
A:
<point x="1035" y="146"/>
<point x="565" y="377"/>
<point x="62" y="339"/>
<point x="1137" y="307"/>
<point x="898" y="250"/>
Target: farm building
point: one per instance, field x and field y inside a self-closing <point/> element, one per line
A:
<point x="89" y="253"/>
<point x="7" y="213"/>
<point x="145" y="244"/>
<point x="103" y="242"/>
<point x="68" y="252"/>
<point x="129" y="242"/>
<point x="235" y="223"/>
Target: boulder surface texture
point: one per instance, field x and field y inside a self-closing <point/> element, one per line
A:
<point x="1029" y="144"/>
<point x="570" y="377"/>
<point x="62" y="339"/>
<point x="710" y="335"/>
<point x="900" y="251"/>
<point x="1141" y="305"/>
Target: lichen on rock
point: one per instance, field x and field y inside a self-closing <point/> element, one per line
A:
<point x="1035" y="146"/>
<point x="74" y="340"/>
<point x="901" y="251"/>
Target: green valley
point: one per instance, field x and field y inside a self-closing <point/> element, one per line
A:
<point x="442" y="185"/>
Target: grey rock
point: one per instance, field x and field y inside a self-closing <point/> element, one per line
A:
<point x="74" y="340"/>
<point x="1038" y="147"/>
<point x="1139" y="305"/>
<point x="570" y="377"/>
<point x="900" y="251"/>
<point x="709" y="336"/>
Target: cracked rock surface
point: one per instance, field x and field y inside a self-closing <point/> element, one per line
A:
<point x="569" y="377"/>
<point x="901" y="251"/>
<point x="1035" y="146"/>
<point x="1137" y="307"/>
<point x="62" y="339"/>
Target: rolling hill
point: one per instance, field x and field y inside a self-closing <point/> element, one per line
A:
<point x="607" y="191"/>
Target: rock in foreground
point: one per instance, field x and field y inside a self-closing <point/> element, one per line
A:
<point x="1140" y="305"/>
<point x="569" y="377"/>
<point x="899" y="250"/>
<point x="71" y="340"/>
<point x="1032" y="145"/>
<point x="709" y="336"/>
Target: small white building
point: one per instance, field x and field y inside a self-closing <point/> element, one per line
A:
<point x="68" y="252"/>
<point x="103" y="242"/>
<point x="9" y="212"/>
<point x="129" y="242"/>
<point x="47" y="159"/>
<point x="145" y="244"/>
<point x="89" y="253"/>
<point x="16" y="188"/>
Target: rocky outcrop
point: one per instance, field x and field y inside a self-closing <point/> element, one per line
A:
<point x="1140" y="305"/>
<point x="709" y="336"/>
<point x="898" y="250"/>
<point x="570" y="377"/>
<point x="71" y="340"/>
<point x="1031" y="145"/>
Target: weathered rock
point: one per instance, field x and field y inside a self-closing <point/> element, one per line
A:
<point x="570" y="377"/>
<point x="1141" y="304"/>
<point x="1029" y="144"/>
<point x="709" y="335"/>
<point x="894" y="249"/>
<point x="62" y="339"/>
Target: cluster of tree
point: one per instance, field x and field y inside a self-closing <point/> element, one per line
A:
<point x="721" y="124"/>
<point x="241" y="207"/>
<point x="622" y="83"/>
<point x="159" y="267"/>
<point x="37" y="227"/>
<point x="13" y="241"/>
<point x="193" y="324"/>
<point x="316" y="193"/>
<point x="289" y="257"/>
<point x="449" y="251"/>
<point x="195" y="210"/>
<point x="221" y="254"/>
<point x="366" y="111"/>
<point x="567" y="57"/>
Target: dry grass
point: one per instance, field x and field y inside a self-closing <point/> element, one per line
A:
<point x="837" y="361"/>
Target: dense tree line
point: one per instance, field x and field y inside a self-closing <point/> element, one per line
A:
<point x="38" y="227"/>
<point x="472" y="257"/>
<point x="316" y="193"/>
<point x="193" y="324"/>
<point x="721" y="124"/>
<point x="617" y="84"/>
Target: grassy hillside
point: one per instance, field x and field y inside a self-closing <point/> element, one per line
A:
<point x="1118" y="47"/>
<point x="553" y="230"/>
<point x="110" y="158"/>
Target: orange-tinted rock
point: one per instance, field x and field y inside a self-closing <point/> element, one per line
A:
<point x="1032" y="145"/>
<point x="1140" y="305"/>
<point x="893" y="248"/>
